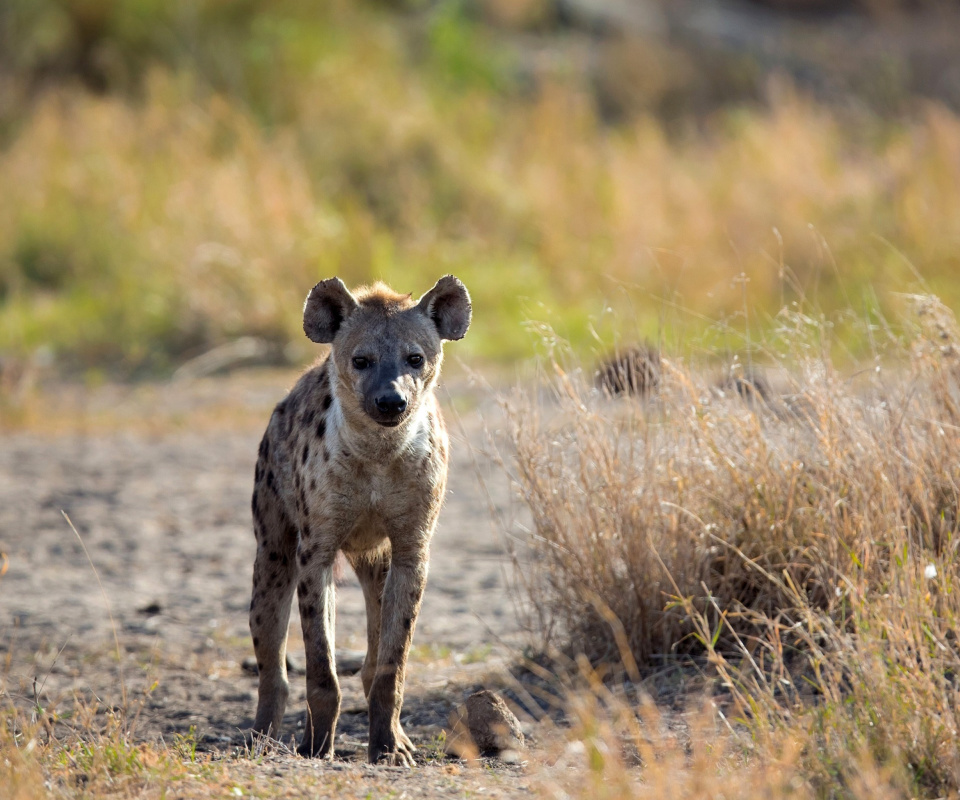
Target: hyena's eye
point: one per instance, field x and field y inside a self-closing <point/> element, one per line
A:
<point x="361" y="363"/>
<point x="416" y="360"/>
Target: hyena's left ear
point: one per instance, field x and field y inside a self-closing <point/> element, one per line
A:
<point x="328" y="305"/>
<point x="448" y="305"/>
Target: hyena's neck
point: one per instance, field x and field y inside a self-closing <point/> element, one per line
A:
<point x="375" y="443"/>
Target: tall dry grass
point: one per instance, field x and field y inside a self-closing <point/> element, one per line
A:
<point x="804" y="545"/>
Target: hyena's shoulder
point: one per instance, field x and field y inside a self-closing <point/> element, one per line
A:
<point x="302" y="414"/>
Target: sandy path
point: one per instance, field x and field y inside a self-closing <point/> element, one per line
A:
<point x="165" y="517"/>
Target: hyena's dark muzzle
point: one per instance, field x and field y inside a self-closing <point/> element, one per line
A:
<point x="385" y="400"/>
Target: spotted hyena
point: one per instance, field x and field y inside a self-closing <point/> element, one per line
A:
<point x="353" y="460"/>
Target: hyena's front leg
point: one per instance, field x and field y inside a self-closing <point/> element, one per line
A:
<point x="317" y="616"/>
<point x="402" y="595"/>
<point x="274" y="577"/>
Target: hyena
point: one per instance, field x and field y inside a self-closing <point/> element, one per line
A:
<point x="354" y="460"/>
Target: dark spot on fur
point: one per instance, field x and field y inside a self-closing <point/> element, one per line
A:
<point x="253" y="603"/>
<point x="285" y="561"/>
<point x="303" y="559"/>
<point x="264" y="450"/>
<point x="407" y="623"/>
<point x="255" y="504"/>
<point x="310" y="611"/>
<point x="325" y="682"/>
<point x="326" y="454"/>
<point x="302" y="587"/>
<point x="306" y="454"/>
<point x="256" y="641"/>
<point x="306" y="534"/>
<point x="321" y="428"/>
<point x="259" y="620"/>
<point x="321" y="650"/>
<point x="313" y="484"/>
<point x="272" y="481"/>
<point x="327" y="400"/>
<point x="309" y="417"/>
<point x="274" y="556"/>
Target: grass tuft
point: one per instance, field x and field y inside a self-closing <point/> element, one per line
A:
<point x="804" y="544"/>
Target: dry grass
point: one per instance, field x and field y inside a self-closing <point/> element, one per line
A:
<point x="805" y="546"/>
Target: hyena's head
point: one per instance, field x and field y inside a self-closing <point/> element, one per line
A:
<point x="386" y="346"/>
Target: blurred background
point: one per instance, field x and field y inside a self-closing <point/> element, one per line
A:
<point x="176" y="174"/>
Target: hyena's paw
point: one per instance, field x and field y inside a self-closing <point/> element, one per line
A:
<point x="316" y="745"/>
<point x="393" y="750"/>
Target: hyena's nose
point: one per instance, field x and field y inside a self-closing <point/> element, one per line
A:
<point x="391" y="403"/>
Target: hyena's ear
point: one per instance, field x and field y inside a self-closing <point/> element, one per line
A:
<point x="328" y="305"/>
<point x="448" y="305"/>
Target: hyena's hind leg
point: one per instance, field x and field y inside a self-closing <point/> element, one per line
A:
<point x="371" y="569"/>
<point x="274" y="579"/>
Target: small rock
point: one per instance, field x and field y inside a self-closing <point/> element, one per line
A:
<point x="150" y="609"/>
<point x="349" y="662"/>
<point x="485" y="726"/>
<point x="249" y="664"/>
<point x="295" y="666"/>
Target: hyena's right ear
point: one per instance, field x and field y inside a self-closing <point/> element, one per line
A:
<point x="328" y="305"/>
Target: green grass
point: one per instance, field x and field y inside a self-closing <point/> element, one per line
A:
<point x="241" y="152"/>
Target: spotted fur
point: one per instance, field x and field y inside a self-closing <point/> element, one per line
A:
<point x="354" y="460"/>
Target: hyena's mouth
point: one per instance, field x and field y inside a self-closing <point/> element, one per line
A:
<point x="387" y="420"/>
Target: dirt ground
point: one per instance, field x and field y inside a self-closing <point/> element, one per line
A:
<point x="157" y="480"/>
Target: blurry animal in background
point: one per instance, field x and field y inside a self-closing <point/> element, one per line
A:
<point x="751" y="385"/>
<point x="634" y="370"/>
<point x="637" y="370"/>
